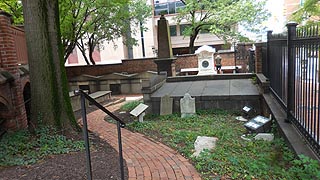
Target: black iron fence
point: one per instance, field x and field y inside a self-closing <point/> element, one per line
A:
<point x="292" y="66"/>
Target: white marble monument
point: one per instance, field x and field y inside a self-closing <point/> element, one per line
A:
<point x="205" y="60"/>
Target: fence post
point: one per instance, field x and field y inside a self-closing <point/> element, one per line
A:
<point x="269" y="33"/>
<point x="292" y="27"/>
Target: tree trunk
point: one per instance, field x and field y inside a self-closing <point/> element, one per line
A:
<point x="191" y="44"/>
<point x="50" y="102"/>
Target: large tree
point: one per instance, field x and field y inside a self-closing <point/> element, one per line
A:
<point x="50" y="100"/>
<point x="87" y="24"/>
<point x="220" y="17"/>
<point x="309" y="13"/>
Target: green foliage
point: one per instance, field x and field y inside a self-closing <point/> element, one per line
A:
<point x="307" y="14"/>
<point x="221" y="17"/>
<point x="13" y="7"/>
<point x="233" y="157"/>
<point x="23" y="148"/>
<point x="86" y="24"/>
<point x="129" y="106"/>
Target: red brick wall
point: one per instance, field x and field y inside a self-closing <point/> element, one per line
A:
<point x="9" y="62"/>
<point x="130" y="66"/>
<point x="147" y="64"/>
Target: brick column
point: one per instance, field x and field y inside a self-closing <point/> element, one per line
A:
<point x="9" y="63"/>
<point x="258" y="64"/>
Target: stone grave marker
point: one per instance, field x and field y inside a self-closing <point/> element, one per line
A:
<point x="139" y="111"/>
<point x="166" y="105"/>
<point x="205" y="60"/>
<point x="202" y="143"/>
<point x="187" y="106"/>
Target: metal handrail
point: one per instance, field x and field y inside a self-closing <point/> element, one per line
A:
<point x="120" y="124"/>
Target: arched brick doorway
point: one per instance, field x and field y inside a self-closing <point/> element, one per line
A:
<point x="3" y="115"/>
<point x="27" y="100"/>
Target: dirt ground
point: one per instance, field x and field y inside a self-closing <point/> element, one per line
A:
<point x="72" y="166"/>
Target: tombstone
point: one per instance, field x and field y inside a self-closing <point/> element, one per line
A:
<point x="166" y="105"/>
<point x="187" y="106"/>
<point x="202" y="143"/>
<point x="205" y="60"/>
<point x="139" y="111"/>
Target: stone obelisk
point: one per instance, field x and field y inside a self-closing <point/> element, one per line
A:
<point x="165" y="60"/>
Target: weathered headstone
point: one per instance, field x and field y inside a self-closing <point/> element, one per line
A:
<point x="166" y="105"/>
<point x="202" y="143"/>
<point x="139" y="111"/>
<point x="187" y="106"/>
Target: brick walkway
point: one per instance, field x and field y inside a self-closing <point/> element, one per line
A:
<point x="146" y="159"/>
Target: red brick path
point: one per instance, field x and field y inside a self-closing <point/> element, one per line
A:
<point x="146" y="159"/>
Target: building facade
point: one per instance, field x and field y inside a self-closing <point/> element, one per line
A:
<point x="113" y="53"/>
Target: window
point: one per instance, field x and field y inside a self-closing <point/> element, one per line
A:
<point x="173" y="30"/>
<point x="160" y="9"/>
<point x="167" y="8"/>
<point x="183" y="27"/>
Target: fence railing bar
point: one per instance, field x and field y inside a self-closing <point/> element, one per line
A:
<point x="120" y="124"/>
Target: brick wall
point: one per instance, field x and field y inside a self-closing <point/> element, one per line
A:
<point x="130" y="66"/>
<point x="141" y="65"/>
<point x="17" y="118"/>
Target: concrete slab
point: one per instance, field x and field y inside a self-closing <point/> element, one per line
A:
<point x="181" y="89"/>
<point x="228" y="87"/>
<point x="243" y="87"/>
<point x="167" y="88"/>
<point x="197" y="88"/>
<point x="217" y="88"/>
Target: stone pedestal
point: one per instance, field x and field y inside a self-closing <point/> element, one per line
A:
<point x="167" y="65"/>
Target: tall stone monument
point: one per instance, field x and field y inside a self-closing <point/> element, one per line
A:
<point x="165" y="60"/>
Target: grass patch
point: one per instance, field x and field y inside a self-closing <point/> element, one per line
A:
<point x="233" y="157"/>
<point x="24" y="148"/>
<point x="129" y="106"/>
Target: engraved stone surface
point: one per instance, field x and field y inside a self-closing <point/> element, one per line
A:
<point x="205" y="60"/>
<point x="166" y="105"/>
<point x="187" y="106"/>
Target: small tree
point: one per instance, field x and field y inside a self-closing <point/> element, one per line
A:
<point x="88" y="24"/>
<point x="221" y="17"/>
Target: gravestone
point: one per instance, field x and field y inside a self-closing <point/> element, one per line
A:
<point x="205" y="60"/>
<point x="139" y="111"/>
<point x="187" y="106"/>
<point x="166" y="105"/>
<point x="202" y="143"/>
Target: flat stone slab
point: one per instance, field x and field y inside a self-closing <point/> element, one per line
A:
<point x="202" y="143"/>
<point x="228" y="87"/>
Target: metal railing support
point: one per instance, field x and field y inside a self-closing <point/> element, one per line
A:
<point x="86" y="136"/>
<point x="120" y="124"/>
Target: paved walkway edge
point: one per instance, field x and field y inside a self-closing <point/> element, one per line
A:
<point x="145" y="158"/>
